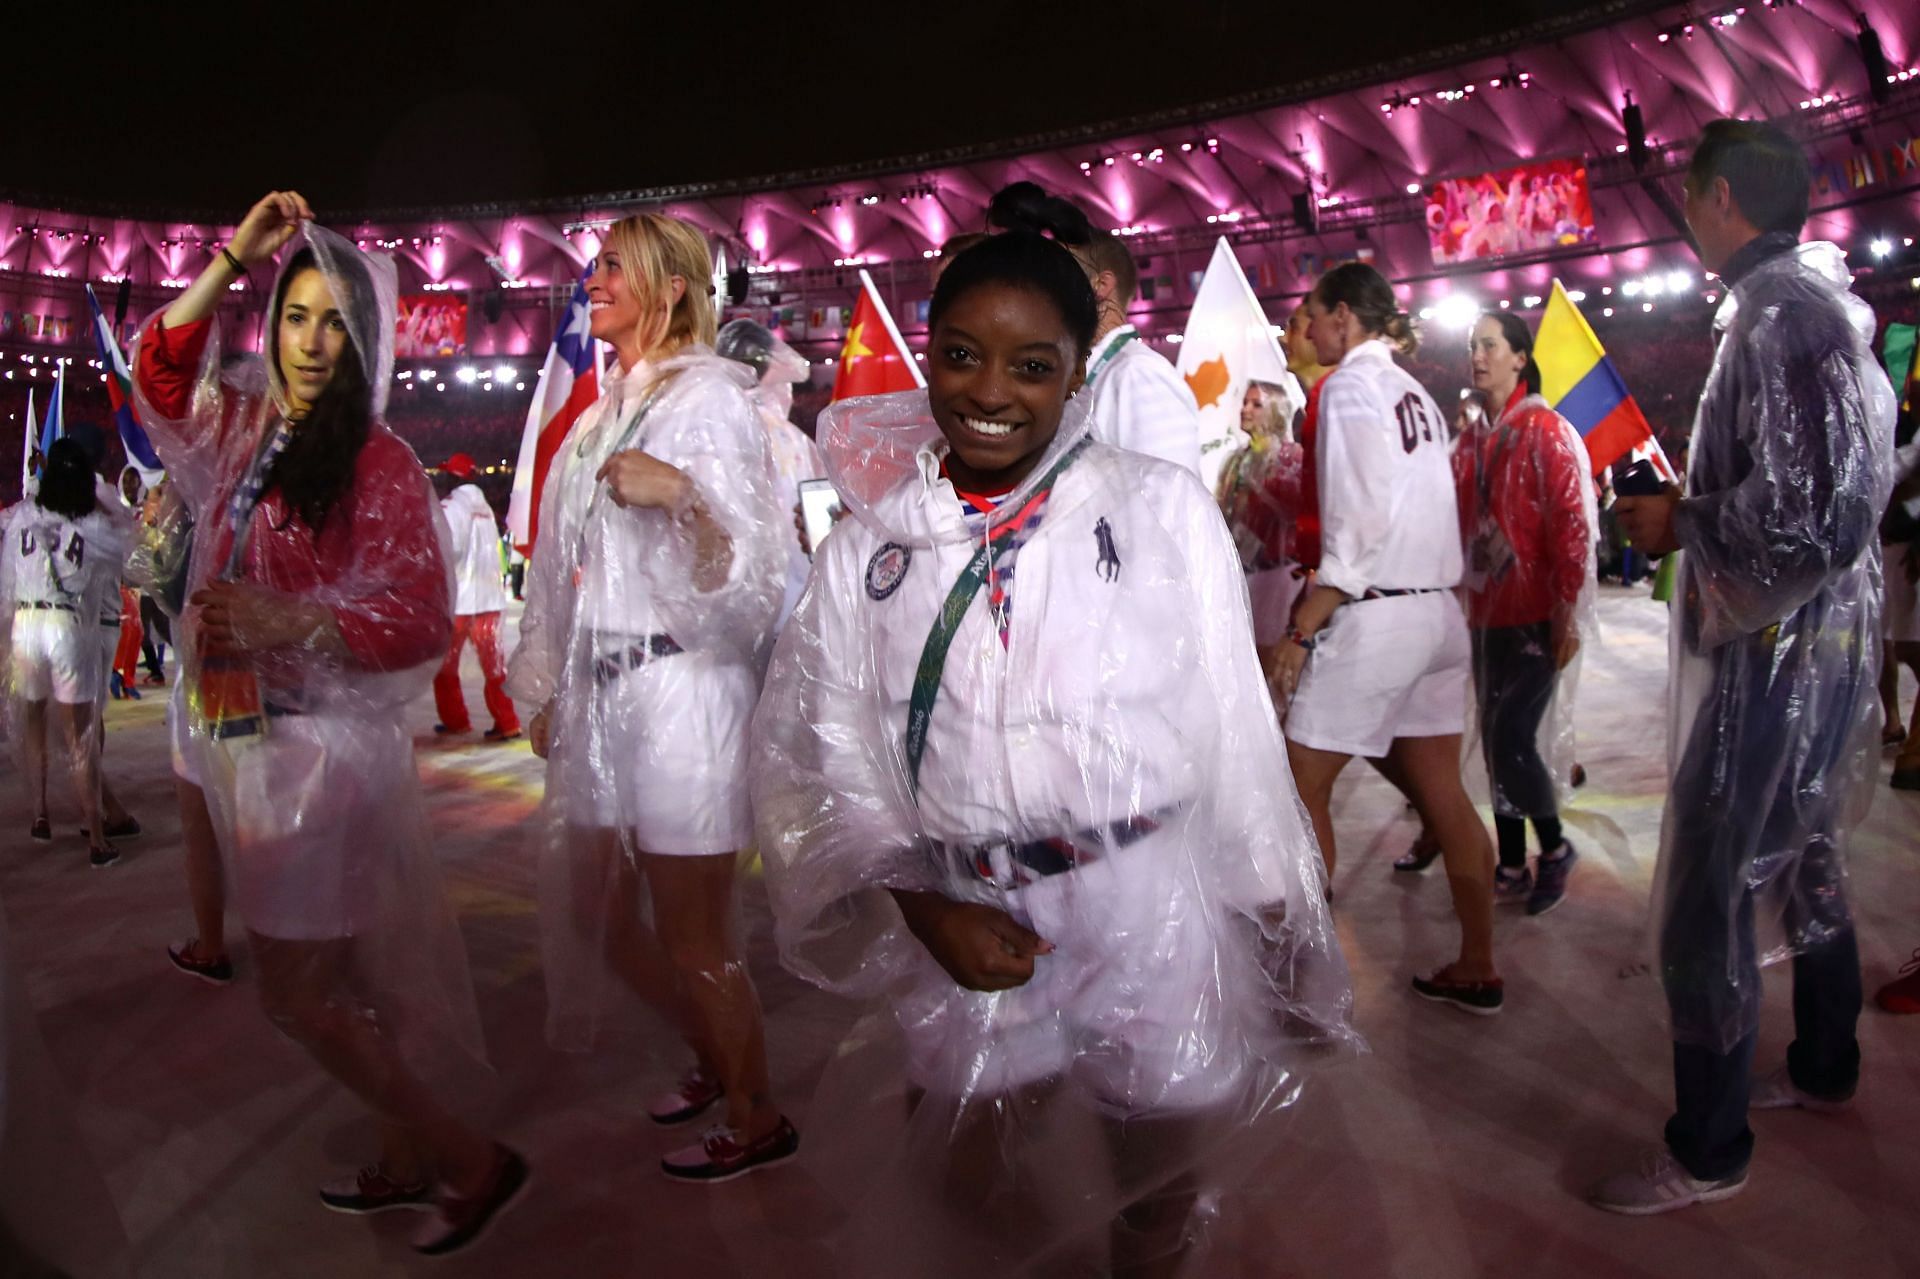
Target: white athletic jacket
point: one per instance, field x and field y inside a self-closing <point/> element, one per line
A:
<point x="474" y="548"/>
<point x="1140" y="401"/>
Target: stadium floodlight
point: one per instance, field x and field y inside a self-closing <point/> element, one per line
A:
<point x="1456" y="311"/>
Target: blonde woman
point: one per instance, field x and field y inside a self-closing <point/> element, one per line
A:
<point x="650" y="605"/>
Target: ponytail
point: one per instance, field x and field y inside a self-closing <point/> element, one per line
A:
<point x="1368" y="295"/>
<point x="1520" y="338"/>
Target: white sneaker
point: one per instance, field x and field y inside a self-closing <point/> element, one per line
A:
<point x="1778" y="1092"/>
<point x="1658" y="1183"/>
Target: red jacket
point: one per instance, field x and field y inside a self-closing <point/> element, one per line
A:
<point x="1523" y="524"/>
<point x="377" y="561"/>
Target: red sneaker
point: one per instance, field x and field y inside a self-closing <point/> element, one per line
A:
<point x="690" y="1099"/>
<point x="458" y="1221"/>
<point x="370" y="1190"/>
<point x="722" y="1156"/>
<point x="1902" y="994"/>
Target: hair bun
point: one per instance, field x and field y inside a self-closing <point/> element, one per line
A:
<point x="1026" y="206"/>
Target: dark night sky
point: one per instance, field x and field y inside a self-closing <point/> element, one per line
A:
<point x="168" y="108"/>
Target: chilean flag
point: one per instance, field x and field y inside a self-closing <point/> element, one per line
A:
<point x="133" y="437"/>
<point x="874" y="359"/>
<point x="569" y="382"/>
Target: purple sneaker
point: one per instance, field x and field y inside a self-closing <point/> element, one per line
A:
<point x="1550" y="879"/>
<point x="1510" y="889"/>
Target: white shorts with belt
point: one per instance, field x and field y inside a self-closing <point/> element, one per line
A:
<point x="53" y="656"/>
<point x="1129" y="1004"/>
<point x="1384" y="668"/>
<point x="316" y="813"/>
<point x="663" y="753"/>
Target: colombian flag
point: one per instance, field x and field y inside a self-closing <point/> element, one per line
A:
<point x="1579" y="381"/>
<point x="874" y="359"/>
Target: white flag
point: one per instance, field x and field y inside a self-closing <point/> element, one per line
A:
<point x="1229" y="343"/>
<point x="29" y="441"/>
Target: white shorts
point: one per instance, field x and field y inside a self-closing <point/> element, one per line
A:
<point x="1128" y="1006"/>
<point x="1381" y="669"/>
<point x="1903" y="601"/>
<point x="52" y="657"/>
<point x="183" y="758"/>
<point x="314" y="814"/>
<point x="664" y="756"/>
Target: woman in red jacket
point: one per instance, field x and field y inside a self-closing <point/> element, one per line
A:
<point x="1527" y="526"/>
<point x="321" y="603"/>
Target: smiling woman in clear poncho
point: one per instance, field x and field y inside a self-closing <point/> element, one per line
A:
<point x="651" y="598"/>
<point x="320" y="602"/>
<point x="1015" y="771"/>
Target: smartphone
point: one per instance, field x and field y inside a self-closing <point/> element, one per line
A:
<point x="1639" y="480"/>
<point x="819" y="508"/>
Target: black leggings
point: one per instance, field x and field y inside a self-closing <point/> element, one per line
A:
<point x="1514" y="677"/>
<point x="154" y="626"/>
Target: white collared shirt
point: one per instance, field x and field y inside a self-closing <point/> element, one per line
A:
<point x="1389" y="515"/>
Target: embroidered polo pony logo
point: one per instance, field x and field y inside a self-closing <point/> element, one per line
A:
<point x="1108" y="565"/>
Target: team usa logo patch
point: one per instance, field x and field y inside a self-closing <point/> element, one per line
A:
<point x="887" y="569"/>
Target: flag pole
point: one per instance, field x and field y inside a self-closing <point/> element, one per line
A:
<point x="886" y="318"/>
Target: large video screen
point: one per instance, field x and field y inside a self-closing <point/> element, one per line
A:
<point x="431" y="325"/>
<point x="1529" y="208"/>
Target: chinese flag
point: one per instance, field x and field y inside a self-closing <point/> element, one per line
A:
<point x="874" y="359"/>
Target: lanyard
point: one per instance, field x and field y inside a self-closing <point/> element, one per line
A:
<point x="933" y="657"/>
<point x="580" y="450"/>
<point x="1106" y="357"/>
<point x="1484" y="471"/>
<point x="247" y="494"/>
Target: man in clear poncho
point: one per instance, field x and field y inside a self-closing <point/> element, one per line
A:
<point x="1015" y="770"/>
<point x="1776" y="646"/>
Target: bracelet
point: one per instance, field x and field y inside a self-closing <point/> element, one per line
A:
<point x="234" y="262"/>
<point x="1300" y="637"/>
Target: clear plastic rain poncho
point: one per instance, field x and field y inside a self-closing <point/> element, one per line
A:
<point x="303" y="751"/>
<point x="1773" y="724"/>
<point x="795" y="457"/>
<point x="1528" y="529"/>
<point x="646" y="659"/>
<point x="1097" y="757"/>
